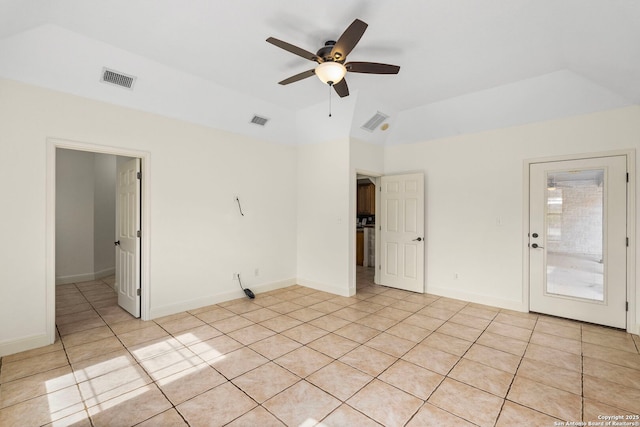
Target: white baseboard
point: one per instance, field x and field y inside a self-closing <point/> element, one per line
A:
<point x="167" y="310"/>
<point x="23" y="344"/>
<point x="75" y="278"/>
<point x="478" y="298"/>
<point x="104" y="273"/>
<point x="86" y="277"/>
<point x="324" y="287"/>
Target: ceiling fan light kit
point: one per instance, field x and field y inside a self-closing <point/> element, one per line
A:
<point x="331" y="58"/>
<point x="330" y="72"/>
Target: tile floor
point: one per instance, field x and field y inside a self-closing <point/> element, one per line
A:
<point x="300" y="357"/>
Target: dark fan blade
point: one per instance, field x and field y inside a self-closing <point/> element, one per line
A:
<point x="371" y="68"/>
<point x="293" y="49"/>
<point x="348" y="40"/>
<point x="297" y="77"/>
<point x="341" y="88"/>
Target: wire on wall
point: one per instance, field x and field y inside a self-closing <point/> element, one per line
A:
<point x="239" y="206"/>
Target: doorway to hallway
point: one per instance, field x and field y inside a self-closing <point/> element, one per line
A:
<point x="365" y="229"/>
<point x="53" y="145"/>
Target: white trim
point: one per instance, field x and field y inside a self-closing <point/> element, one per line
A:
<point x="632" y="321"/>
<point x="75" y="278"/>
<point x="338" y="290"/>
<point x="23" y="344"/>
<point x="353" y="213"/>
<point x="218" y="298"/>
<point x="104" y="273"/>
<point x="478" y="298"/>
<point x="50" y="223"/>
<point x="525" y="233"/>
<point x="86" y="277"/>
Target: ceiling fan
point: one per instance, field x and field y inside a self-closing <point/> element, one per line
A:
<point x="331" y="58"/>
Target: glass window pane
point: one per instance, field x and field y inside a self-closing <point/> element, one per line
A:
<point x="574" y="230"/>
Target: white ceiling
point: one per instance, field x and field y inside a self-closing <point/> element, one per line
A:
<point x="466" y="65"/>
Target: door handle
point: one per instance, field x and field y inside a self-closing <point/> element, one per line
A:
<point x="419" y="239"/>
<point x="536" y="246"/>
<point x="117" y="243"/>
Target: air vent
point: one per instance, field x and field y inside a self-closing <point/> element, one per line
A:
<point x="117" y="78"/>
<point x="375" y="121"/>
<point x="260" y="121"/>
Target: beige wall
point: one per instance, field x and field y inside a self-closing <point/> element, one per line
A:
<point x="323" y="216"/>
<point x="299" y="203"/>
<point x="85" y="215"/>
<point x="198" y="237"/>
<point x="474" y="198"/>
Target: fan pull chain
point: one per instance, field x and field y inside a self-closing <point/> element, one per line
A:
<point x="329" y="100"/>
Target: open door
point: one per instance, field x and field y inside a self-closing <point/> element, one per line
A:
<point x="128" y="236"/>
<point x="402" y="232"/>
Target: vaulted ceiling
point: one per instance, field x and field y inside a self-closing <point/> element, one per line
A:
<point x="466" y="65"/>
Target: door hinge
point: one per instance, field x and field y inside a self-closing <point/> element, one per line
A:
<point x="627" y="306"/>
<point x="627" y="176"/>
<point x="138" y="292"/>
<point x="139" y="175"/>
<point x="138" y="233"/>
<point x="627" y="242"/>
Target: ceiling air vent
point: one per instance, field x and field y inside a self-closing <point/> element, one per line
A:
<point x="375" y="121"/>
<point x="260" y="121"/>
<point x="117" y="78"/>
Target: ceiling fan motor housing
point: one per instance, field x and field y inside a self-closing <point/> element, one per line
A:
<point x="325" y="52"/>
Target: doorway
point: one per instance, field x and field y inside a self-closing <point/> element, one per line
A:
<point x="365" y="230"/>
<point x="398" y="232"/>
<point x="52" y="146"/>
<point x="577" y="238"/>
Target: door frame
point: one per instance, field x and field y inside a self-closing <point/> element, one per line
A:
<point x="630" y="154"/>
<point x="50" y="222"/>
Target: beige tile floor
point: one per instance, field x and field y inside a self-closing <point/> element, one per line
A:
<point x="300" y="357"/>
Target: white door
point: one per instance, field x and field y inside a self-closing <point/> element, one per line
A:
<point x="402" y="231"/>
<point x="127" y="236"/>
<point x="577" y="239"/>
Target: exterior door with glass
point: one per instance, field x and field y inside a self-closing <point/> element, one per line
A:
<point x="577" y="239"/>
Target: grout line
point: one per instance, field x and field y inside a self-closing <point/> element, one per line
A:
<point x="75" y="380"/>
<point x="379" y="332"/>
<point x="456" y="364"/>
<point x="517" y="369"/>
<point x="136" y="363"/>
<point x="582" y="373"/>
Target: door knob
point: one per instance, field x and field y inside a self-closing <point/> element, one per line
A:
<point x="535" y="246"/>
<point x="419" y="239"/>
<point x="534" y="235"/>
<point x="117" y="243"/>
